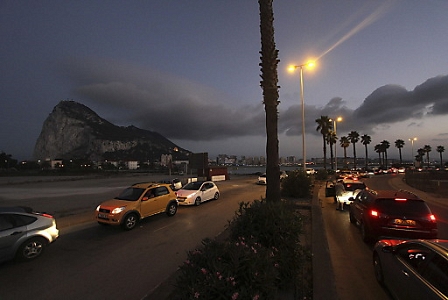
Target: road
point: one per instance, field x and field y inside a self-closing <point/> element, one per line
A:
<point x="351" y="258"/>
<point x="98" y="262"/>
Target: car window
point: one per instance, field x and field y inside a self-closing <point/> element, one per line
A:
<point x="192" y="186"/>
<point x="5" y="223"/>
<point x="161" y="190"/>
<point x="403" y="207"/>
<point x="130" y="194"/>
<point x="415" y="255"/>
<point x="354" y="186"/>
<point x="436" y="272"/>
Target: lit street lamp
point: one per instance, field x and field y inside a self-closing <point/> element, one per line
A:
<point x="302" y="100"/>
<point x="412" y="149"/>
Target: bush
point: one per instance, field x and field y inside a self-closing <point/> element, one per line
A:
<point x="322" y="174"/>
<point x="297" y="185"/>
<point x="261" y="256"/>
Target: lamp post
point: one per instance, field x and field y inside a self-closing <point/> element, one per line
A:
<point x="338" y="119"/>
<point x="412" y="149"/>
<point x="302" y="100"/>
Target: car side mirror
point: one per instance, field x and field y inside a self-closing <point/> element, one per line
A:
<point x="351" y="199"/>
<point x="145" y="198"/>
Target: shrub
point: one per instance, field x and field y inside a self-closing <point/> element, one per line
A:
<point x="261" y="256"/>
<point x="297" y="185"/>
<point x="322" y="174"/>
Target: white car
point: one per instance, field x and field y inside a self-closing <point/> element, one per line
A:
<point x="262" y="179"/>
<point x="194" y="193"/>
<point x="310" y="171"/>
<point x="346" y="189"/>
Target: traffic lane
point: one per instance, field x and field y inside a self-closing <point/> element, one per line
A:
<point x="104" y="262"/>
<point x="351" y="258"/>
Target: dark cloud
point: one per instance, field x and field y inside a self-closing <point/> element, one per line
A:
<point x="184" y="110"/>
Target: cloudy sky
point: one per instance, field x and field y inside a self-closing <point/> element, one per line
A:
<point x="190" y="70"/>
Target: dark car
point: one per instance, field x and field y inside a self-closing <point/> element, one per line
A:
<point x="413" y="269"/>
<point x="390" y="213"/>
<point x="24" y="233"/>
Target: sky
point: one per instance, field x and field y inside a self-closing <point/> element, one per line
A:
<point x="189" y="70"/>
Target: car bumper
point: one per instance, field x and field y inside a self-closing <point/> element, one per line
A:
<point x="405" y="233"/>
<point x="187" y="201"/>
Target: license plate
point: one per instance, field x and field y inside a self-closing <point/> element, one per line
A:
<point x="102" y="216"/>
<point x="404" y="222"/>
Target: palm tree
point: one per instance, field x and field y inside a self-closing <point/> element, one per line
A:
<point x="269" y="84"/>
<point x="332" y="139"/>
<point x="324" y="125"/>
<point x="385" y="145"/>
<point x="345" y="142"/>
<point x="440" y="149"/>
<point x="353" y="136"/>
<point x="427" y="149"/>
<point x="419" y="156"/>
<point x="399" y="144"/>
<point x="365" y="140"/>
<point x="378" y="150"/>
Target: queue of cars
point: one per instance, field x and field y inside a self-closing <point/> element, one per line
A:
<point x="24" y="233"/>
<point x="408" y="259"/>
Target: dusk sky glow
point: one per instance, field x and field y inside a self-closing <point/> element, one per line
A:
<point x="190" y="70"/>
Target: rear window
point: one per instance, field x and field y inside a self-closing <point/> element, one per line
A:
<point x="354" y="186"/>
<point x="402" y="206"/>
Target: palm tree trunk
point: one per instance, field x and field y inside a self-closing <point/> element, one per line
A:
<point x="325" y="152"/>
<point x="269" y="84"/>
<point x="354" y="155"/>
<point x="367" y="156"/>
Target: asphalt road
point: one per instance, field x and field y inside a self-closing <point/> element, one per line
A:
<point x="102" y="262"/>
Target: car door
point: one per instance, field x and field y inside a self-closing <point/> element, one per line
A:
<point x="10" y="233"/>
<point x="405" y="278"/>
<point x="148" y="204"/>
<point x="359" y="205"/>
<point x="162" y="198"/>
<point x="330" y="190"/>
<point x="207" y="191"/>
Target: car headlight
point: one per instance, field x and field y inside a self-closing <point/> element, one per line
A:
<point x="118" y="210"/>
<point x="98" y="207"/>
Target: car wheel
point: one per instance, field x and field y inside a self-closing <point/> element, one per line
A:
<point x="216" y="196"/>
<point x="352" y="218"/>
<point x="197" y="201"/>
<point x="365" y="233"/>
<point x="171" y="209"/>
<point x="378" y="269"/>
<point x="130" y="221"/>
<point x="31" y="249"/>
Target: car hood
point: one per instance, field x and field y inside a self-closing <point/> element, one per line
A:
<point x="185" y="193"/>
<point x="112" y="203"/>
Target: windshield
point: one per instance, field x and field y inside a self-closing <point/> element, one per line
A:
<point x="130" y="194"/>
<point x="193" y="186"/>
<point x="393" y="206"/>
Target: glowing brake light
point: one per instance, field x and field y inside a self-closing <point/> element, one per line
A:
<point x="432" y="218"/>
<point x="400" y="199"/>
<point x="374" y="213"/>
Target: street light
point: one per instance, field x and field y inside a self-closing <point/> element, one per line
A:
<point x="412" y="149"/>
<point x="302" y="100"/>
<point x="338" y="119"/>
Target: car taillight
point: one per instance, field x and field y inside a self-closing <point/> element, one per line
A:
<point x="374" y="213"/>
<point x="47" y="216"/>
<point x="432" y="218"/>
<point x="400" y="199"/>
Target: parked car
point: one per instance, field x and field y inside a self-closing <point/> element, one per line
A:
<point x="24" y="233"/>
<point x="413" y="269"/>
<point x="176" y="184"/>
<point x="136" y="202"/>
<point x="194" y="193"/>
<point x="262" y="179"/>
<point x="390" y="213"/>
<point x="310" y="171"/>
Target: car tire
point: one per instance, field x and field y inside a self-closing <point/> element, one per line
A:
<point x="216" y="197"/>
<point x="352" y="218"/>
<point x="171" y="209"/>
<point x="130" y="221"/>
<point x="31" y="248"/>
<point x="197" y="201"/>
<point x="365" y="233"/>
<point x="378" y="269"/>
